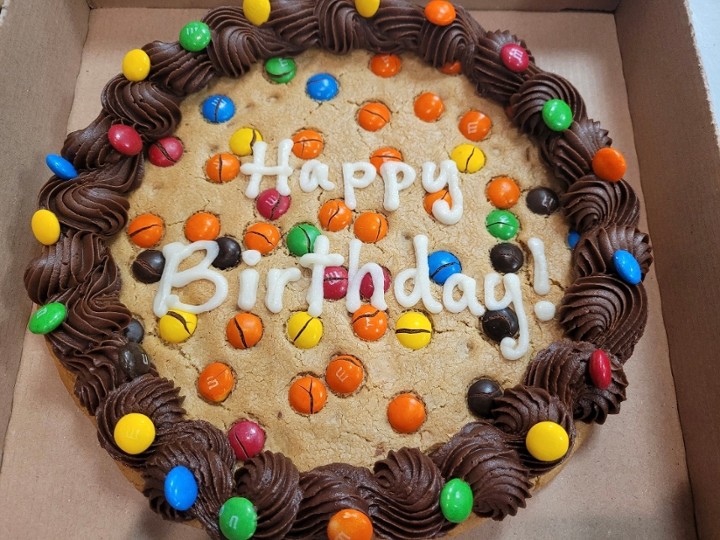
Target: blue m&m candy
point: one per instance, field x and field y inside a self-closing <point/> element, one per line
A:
<point x="322" y="87"/>
<point x="60" y="167"/>
<point x="181" y="489"/>
<point x="442" y="265"/>
<point x="627" y="267"/>
<point x="573" y="238"/>
<point x="218" y="109"/>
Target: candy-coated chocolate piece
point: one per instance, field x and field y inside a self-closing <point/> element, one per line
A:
<point x="514" y="57"/>
<point x="627" y="267"/>
<point x="257" y="11"/>
<point x="367" y="8"/>
<point x="481" y="395"/>
<point x="475" y="125"/>
<point x="406" y="413"/>
<point x="413" y="330"/>
<point x="369" y="323"/>
<point x="543" y="201"/>
<point x="506" y="258"/>
<point x="334" y="215"/>
<point x="134" y="433"/>
<point x="308" y="144"/>
<point x="215" y="382"/>
<point x="451" y="68"/>
<point x="165" y="152"/>
<point x="146" y="230"/>
<point x="133" y="360"/>
<point x="430" y="199"/>
<point x="442" y="265"/>
<point x="229" y="255"/>
<point x="148" y="266"/>
<point x="307" y="395"/>
<point x="280" y="70"/>
<point x="134" y="331"/>
<point x="502" y="224"/>
<point x="547" y="441"/>
<point x="125" y="139"/>
<point x="195" y="36"/>
<point x="440" y="12"/>
<point x="322" y="87"/>
<point x="557" y="115"/>
<point x="335" y="282"/>
<point x="244" y="330"/>
<point x="385" y="65"/>
<point x="177" y="325"/>
<point x="303" y="330"/>
<point x="202" y="226"/>
<point x="503" y="192"/>
<point x="344" y="374"/>
<point x="241" y="142"/>
<point x="237" y="519"/>
<point x="428" y="107"/>
<point x="609" y="164"/>
<point x="301" y="239"/>
<point x="136" y="65"/>
<point x="499" y="324"/>
<point x="181" y="488"/>
<point x="247" y="439"/>
<point x="349" y="524"/>
<point x="45" y="227"/>
<point x="468" y="158"/>
<point x="456" y="500"/>
<point x="600" y="369"/>
<point x="218" y="109"/>
<point x="47" y="318"/>
<point x="262" y="237"/>
<point x="370" y="227"/>
<point x="367" y="286"/>
<point x="271" y="205"/>
<point x="60" y="167"/>
<point x="222" y="167"/>
<point x="382" y="155"/>
<point x="573" y="238"/>
<point x="373" y="116"/>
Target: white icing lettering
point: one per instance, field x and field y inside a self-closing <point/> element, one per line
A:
<point x="468" y="298"/>
<point x="544" y="310"/>
<point x="257" y="168"/>
<point x="420" y="275"/>
<point x="251" y="257"/>
<point x="352" y="182"/>
<point x="448" y="177"/>
<point x="249" y="280"/>
<point x="511" y="348"/>
<point x="355" y="276"/>
<point x="277" y="280"/>
<point x="541" y="280"/>
<point x="390" y="170"/>
<point x="314" y="173"/>
<point x="318" y="260"/>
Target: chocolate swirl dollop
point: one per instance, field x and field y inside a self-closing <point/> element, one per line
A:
<point x="295" y="21"/>
<point x="594" y="252"/>
<point x="181" y="71"/>
<point x="605" y="311"/>
<point x="89" y="148"/>
<point x="591" y="202"/>
<point x="441" y="45"/>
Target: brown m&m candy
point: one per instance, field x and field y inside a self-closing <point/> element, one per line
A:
<point x="334" y="215"/>
<point x="148" y="266"/>
<point x="308" y="144"/>
<point x="244" y="330"/>
<point x="542" y="200"/>
<point x="369" y="323"/>
<point x="499" y="324"/>
<point x="307" y="395"/>
<point x="133" y="359"/>
<point x="480" y="396"/>
<point x="370" y="227"/>
<point x="146" y="230"/>
<point x="229" y="255"/>
<point x="222" y="168"/>
<point x="506" y="258"/>
<point x="262" y="237"/>
<point x="202" y="226"/>
<point x="344" y="374"/>
<point x="215" y="382"/>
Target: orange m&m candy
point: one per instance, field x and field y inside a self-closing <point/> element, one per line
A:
<point x="349" y="524"/>
<point x="215" y="382"/>
<point x="308" y="143"/>
<point x="262" y="237"/>
<point x="307" y="395"/>
<point x="334" y="215"/>
<point x="609" y="164"/>
<point x="430" y="199"/>
<point x="373" y="116"/>
<point x="222" y="167"/>
<point x="440" y="12"/>
<point x="202" y="226"/>
<point x="475" y="125"/>
<point x="503" y="192"/>
<point x="429" y="107"/>
<point x="451" y="68"/>
<point x="381" y="155"/>
<point x="385" y="65"/>
<point x="244" y="330"/>
<point x="344" y="374"/>
<point x="146" y="230"/>
<point x="406" y="413"/>
<point x="370" y="227"/>
<point x="369" y="323"/>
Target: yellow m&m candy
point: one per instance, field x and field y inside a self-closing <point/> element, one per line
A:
<point x="547" y="441"/>
<point x="134" y="433"/>
<point x="413" y="330"/>
<point x="177" y="325"/>
<point x="257" y="11"/>
<point x="367" y="8"/>
<point x="46" y="227"/>
<point x="468" y="158"/>
<point x="136" y="65"/>
<point x="304" y="330"/>
<point x="242" y="141"/>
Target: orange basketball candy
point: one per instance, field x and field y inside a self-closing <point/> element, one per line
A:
<point x="369" y="323"/>
<point x="451" y="68"/>
<point x="334" y="215"/>
<point x="385" y="65"/>
<point x="244" y="330"/>
<point x="262" y="237"/>
<point x="503" y="192"/>
<point x="349" y="524"/>
<point x="215" y="382"/>
<point x="308" y="144"/>
<point x="429" y="107"/>
<point x="430" y="199"/>
<point x="373" y="116"/>
<point x="202" y="226"/>
<point x="307" y="395"/>
<point x="222" y="167"/>
<point x="344" y="374"/>
<point x="609" y="164"/>
<point x="475" y="125"/>
<point x="370" y="227"/>
<point x="406" y="413"/>
<point x="146" y="230"/>
<point x="381" y="155"/>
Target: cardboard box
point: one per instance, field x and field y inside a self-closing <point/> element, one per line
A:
<point x="635" y="64"/>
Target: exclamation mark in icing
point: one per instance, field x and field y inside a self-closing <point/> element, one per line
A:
<point x="544" y="310"/>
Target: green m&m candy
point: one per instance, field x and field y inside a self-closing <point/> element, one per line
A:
<point x="195" y="36"/>
<point x="557" y="114"/>
<point x="456" y="500"/>
<point x="238" y="519"/>
<point x="502" y="224"/>
<point x="47" y="318"/>
<point x="301" y="239"/>
<point x="281" y="70"/>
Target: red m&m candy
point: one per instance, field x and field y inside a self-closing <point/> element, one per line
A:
<point x="165" y="152"/>
<point x="125" y="139"/>
<point x="514" y="57"/>
<point x="271" y="205"/>
<point x="367" y="285"/>
<point x="247" y="439"/>
<point x="335" y="283"/>
<point x="600" y="369"/>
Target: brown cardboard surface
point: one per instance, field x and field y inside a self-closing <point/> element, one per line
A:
<point x="629" y="479"/>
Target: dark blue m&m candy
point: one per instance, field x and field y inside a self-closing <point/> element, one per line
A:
<point x="181" y="489"/>
<point x="218" y="109"/>
<point x="627" y="267"/>
<point x="573" y="238"/>
<point x="60" y="167"/>
<point x="442" y="265"/>
<point x="322" y="87"/>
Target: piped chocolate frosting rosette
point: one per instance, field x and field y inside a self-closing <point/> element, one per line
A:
<point x="583" y="379"/>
